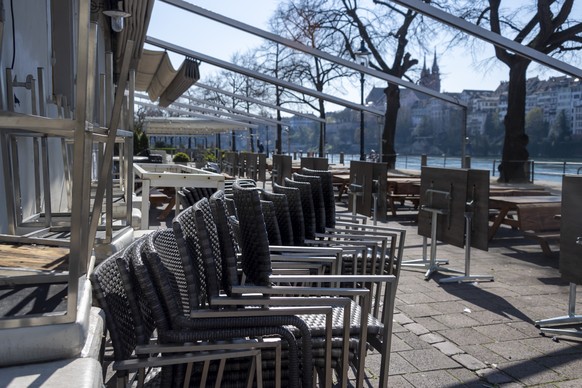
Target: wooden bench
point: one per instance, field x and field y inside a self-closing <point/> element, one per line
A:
<point x="393" y="198"/>
<point x="401" y="191"/>
<point x="541" y="222"/>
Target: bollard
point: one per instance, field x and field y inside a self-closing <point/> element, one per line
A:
<point x="341" y="158"/>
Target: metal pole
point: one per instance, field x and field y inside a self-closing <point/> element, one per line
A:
<point x="464" y="139"/>
<point x="362" y="152"/>
<point x="321" y="139"/>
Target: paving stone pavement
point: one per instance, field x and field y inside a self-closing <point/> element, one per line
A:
<point x="480" y="334"/>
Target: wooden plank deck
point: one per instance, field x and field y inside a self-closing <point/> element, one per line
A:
<point x="36" y="257"/>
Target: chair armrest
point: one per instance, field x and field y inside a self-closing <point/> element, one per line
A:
<point x="329" y="256"/>
<point x="302" y="249"/>
<point x="156" y="361"/>
<point x="381" y="230"/>
<point x="238" y="344"/>
<point x="301" y="306"/>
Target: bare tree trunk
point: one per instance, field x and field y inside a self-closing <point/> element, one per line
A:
<point x="322" y="128"/>
<point x="515" y="155"/>
<point x="279" y="140"/>
<point x="392" y="105"/>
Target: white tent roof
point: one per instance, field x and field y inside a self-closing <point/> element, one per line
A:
<point x="191" y="126"/>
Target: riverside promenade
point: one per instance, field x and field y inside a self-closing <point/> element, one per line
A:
<point x="481" y="334"/>
<point x="478" y="334"/>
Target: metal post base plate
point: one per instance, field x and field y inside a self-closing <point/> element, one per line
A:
<point x="436" y="268"/>
<point x="468" y="278"/>
<point x="570" y="332"/>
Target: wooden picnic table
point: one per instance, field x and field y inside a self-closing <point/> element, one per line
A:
<point x="342" y="181"/>
<point x="402" y="189"/>
<point x="506" y="204"/>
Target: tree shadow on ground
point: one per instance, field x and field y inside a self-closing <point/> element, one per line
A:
<point x="483" y="298"/>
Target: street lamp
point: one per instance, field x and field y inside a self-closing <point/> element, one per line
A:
<point x="363" y="58"/>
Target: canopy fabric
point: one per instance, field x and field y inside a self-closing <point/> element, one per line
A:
<point x="189" y="126"/>
<point x="155" y="73"/>
<point x="135" y="29"/>
<point x="186" y="76"/>
<point x="156" y="76"/>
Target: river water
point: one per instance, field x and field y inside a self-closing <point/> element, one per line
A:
<point x="550" y="170"/>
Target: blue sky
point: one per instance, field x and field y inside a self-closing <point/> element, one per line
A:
<point x="459" y="69"/>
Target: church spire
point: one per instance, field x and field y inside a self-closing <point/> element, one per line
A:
<point x="431" y="78"/>
<point x="424" y="71"/>
<point x="435" y="66"/>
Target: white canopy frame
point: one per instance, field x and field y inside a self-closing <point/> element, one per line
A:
<point x="186" y="126"/>
<point x="180" y="107"/>
<point x="233" y="111"/>
<point x="259" y="102"/>
<point x="233" y="123"/>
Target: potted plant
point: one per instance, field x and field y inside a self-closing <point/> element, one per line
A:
<point x="181" y="158"/>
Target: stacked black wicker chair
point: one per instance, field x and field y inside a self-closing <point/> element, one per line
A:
<point x="197" y="193"/>
<point x="125" y="331"/>
<point x="391" y="257"/>
<point x="294" y="207"/>
<point x="184" y="297"/>
<point x="317" y="199"/>
<point x="203" y="247"/>
<point x="226" y="240"/>
<point x="397" y="236"/>
<point x="183" y="199"/>
<point x="181" y="339"/>
<point x="210" y="231"/>
<point x="281" y="215"/>
<point x="146" y="310"/>
<point x="313" y="214"/>
<point x="299" y="258"/>
<point x="204" y="360"/>
<point x="327" y="193"/>
<point x="255" y="263"/>
<point x="271" y="222"/>
<point x="131" y="323"/>
<point x="305" y="196"/>
<point x="189" y="196"/>
<point x="300" y="200"/>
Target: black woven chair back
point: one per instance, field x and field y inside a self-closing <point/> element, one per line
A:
<point x="110" y="293"/>
<point x="230" y="206"/>
<point x="295" y="209"/>
<point x="141" y="308"/>
<point x="198" y="193"/>
<point x="271" y="223"/>
<point x="220" y="268"/>
<point x="306" y="205"/>
<point x="328" y="193"/>
<point x="184" y="202"/>
<point x="146" y="286"/>
<point x="317" y="198"/>
<point x="284" y="222"/>
<point x="189" y="196"/>
<point x="228" y="243"/>
<point x="162" y="251"/>
<point x="243" y="182"/>
<point x="188" y="240"/>
<point x="235" y="226"/>
<point x="254" y="241"/>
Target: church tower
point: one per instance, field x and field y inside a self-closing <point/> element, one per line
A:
<point x="431" y="78"/>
